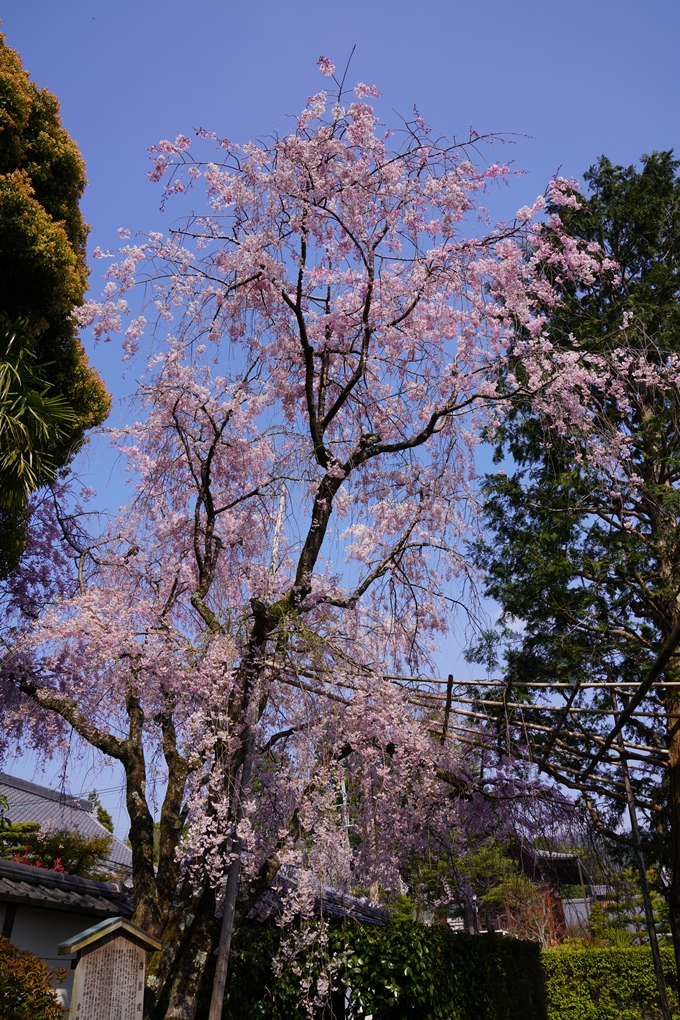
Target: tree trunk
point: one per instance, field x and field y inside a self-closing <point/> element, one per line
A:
<point x="187" y="913"/>
<point x="172" y="818"/>
<point x="147" y="914"/>
<point x="191" y="966"/>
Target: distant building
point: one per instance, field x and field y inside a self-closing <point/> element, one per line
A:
<point x="553" y="871"/>
<point x="40" y="908"/>
<point x="577" y="910"/>
<point x="29" y="802"/>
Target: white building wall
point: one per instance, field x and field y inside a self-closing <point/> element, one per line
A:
<point x="41" y="931"/>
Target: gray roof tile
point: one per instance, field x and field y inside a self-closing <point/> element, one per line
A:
<point x="29" y="802"/>
<point x="50" y="890"/>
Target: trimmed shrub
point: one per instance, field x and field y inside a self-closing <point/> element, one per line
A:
<point x="26" y="986"/>
<point x="429" y="973"/>
<point x="401" y="972"/>
<point x="606" y="984"/>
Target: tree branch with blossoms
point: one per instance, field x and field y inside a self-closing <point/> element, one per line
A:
<point x="333" y="322"/>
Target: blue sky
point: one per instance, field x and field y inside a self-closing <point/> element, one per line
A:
<point x="580" y="78"/>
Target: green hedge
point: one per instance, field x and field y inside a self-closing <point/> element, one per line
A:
<point x="605" y="984"/>
<point x="402" y="972"/>
<point x="414" y="972"/>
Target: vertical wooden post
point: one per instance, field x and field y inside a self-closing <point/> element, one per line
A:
<point x="644" y="884"/>
<point x="226" y="931"/>
<point x="447" y="709"/>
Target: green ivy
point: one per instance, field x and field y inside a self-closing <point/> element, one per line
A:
<point x="606" y="984"/>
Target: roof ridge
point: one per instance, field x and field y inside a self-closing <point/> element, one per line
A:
<point x="31" y="873"/>
<point x="69" y="799"/>
<point x="42" y="876"/>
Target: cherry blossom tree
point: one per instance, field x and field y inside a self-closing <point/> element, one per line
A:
<point x="323" y="347"/>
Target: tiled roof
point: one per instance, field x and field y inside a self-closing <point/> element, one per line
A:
<point x="29" y="802"/>
<point x="328" y="902"/>
<point x="356" y="908"/>
<point x="50" y="890"/>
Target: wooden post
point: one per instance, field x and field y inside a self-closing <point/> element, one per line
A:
<point x="583" y="890"/>
<point x="644" y="884"/>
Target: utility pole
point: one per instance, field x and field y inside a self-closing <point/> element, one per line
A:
<point x="275" y="544"/>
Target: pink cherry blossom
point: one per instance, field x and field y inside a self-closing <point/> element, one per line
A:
<point x="325" y="66"/>
<point x="325" y="341"/>
<point x="362" y="90"/>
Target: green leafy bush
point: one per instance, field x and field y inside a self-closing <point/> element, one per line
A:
<point x="57" y="849"/>
<point x="413" y="971"/>
<point x="399" y="972"/>
<point x="26" y="986"/>
<point x="605" y="984"/>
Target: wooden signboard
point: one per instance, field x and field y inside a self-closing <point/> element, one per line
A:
<point x="109" y="970"/>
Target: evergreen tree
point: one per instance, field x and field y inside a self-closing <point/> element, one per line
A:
<point x="589" y="559"/>
<point x="43" y="272"/>
<point x="32" y="422"/>
<point x="103" y="815"/>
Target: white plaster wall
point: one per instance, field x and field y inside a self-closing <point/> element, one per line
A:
<point x="41" y="931"/>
